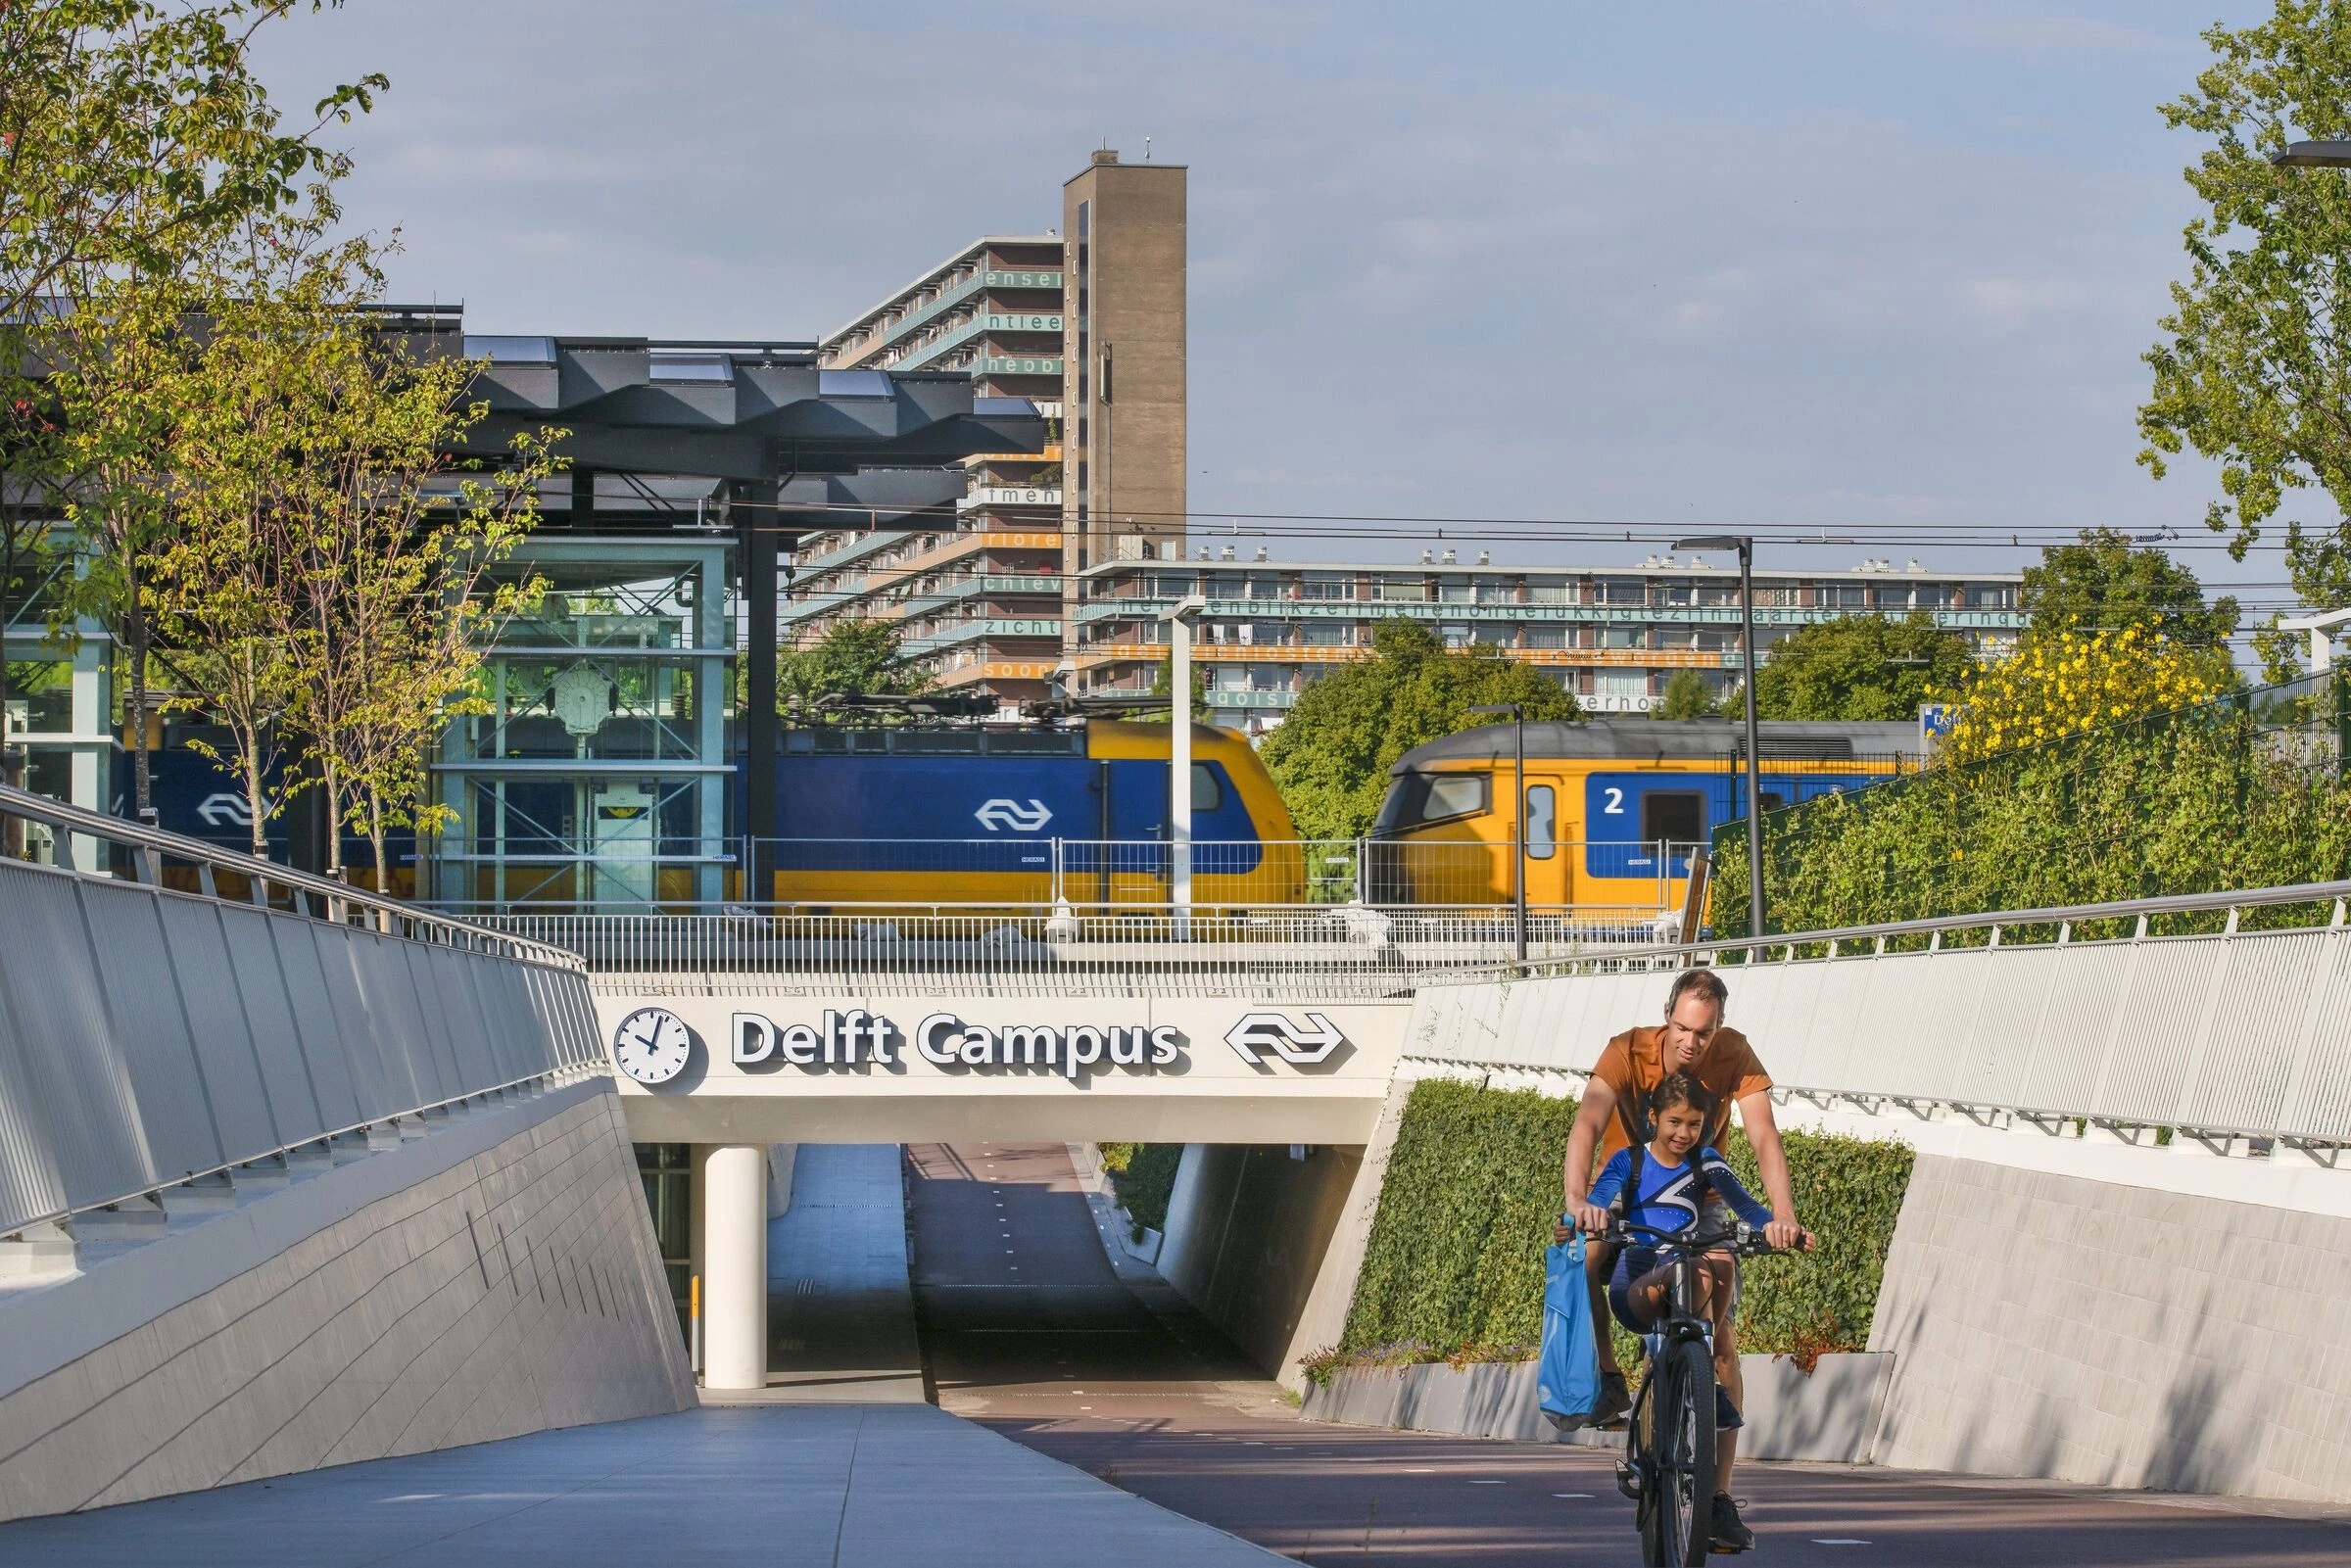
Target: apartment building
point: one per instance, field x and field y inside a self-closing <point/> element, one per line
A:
<point x="1614" y="636"/>
<point x="1088" y="323"/>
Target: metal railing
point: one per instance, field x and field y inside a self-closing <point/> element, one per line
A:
<point x="1345" y="951"/>
<point x="2203" y="1020"/>
<point x="1045" y="874"/>
<point x="160" y="1042"/>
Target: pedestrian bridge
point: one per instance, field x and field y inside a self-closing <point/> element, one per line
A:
<point x="307" y="1177"/>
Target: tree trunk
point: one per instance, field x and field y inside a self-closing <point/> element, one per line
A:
<point x="375" y="837"/>
<point x="332" y="783"/>
<point x="253" y="795"/>
<point x="134" y="638"/>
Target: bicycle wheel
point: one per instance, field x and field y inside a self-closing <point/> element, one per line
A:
<point x="1678" y="1506"/>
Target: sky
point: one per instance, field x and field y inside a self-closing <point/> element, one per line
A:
<point x="1881" y="270"/>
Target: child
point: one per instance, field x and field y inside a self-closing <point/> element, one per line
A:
<point x="1676" y="1174"/>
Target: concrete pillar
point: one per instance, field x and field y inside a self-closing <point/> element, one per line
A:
<point x="735" y="1268"/>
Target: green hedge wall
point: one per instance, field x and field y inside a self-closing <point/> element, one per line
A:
<point x="1456" y="1254"/>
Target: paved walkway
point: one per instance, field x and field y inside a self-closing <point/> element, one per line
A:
<point x="841" y="1309"/>
<point x="838" y="1485"/>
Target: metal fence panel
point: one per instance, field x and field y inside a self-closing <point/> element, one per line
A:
<point x="218" y="1022"/>
<point x="278" y="1041"/>
<point x="2252" y="1040"/>
<point x="150" y="1030"/>
<point x="343" y="1098"/>
<point x="2065" y="1057"/>
<point x="2152" y="1039"/>
<point x="78" y="1083"/>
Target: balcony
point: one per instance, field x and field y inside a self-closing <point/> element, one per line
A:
<point x="986" y="628"/>
<point x="983" y="495"/>
<point x="992" y="365"/>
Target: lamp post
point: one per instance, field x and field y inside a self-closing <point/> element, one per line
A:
<point x="1180" y="763"/>
<point x="2314" y="155"/>
<point x="1745" y="545"/>
<point x="1517" y="713"/>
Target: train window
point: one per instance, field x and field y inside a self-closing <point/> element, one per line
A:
<point x="1542" y="821"/>
<point x="1673" y="816"/>
<point x="1207" y="792"/>
<point x="1418" y="799"/>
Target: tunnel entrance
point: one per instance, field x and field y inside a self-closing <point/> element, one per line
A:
<point x="1026" y="1309"/>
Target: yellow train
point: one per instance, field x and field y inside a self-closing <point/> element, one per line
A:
<point x="1613" y="809"/>
<point x="1012" y="817"/>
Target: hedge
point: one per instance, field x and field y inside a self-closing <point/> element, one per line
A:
<point x="1455" y="1261"/>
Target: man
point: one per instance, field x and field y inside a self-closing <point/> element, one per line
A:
<point x="1615" y="1114"/>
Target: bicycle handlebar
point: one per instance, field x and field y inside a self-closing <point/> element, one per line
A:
<point x="1740" y="1238"/>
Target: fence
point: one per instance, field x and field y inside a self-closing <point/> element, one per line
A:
<point x="1044" y="875"/>
<point x="2206" y="1021"/>
<point x="149" y="1037"/>
<point x="1349" y="951"/>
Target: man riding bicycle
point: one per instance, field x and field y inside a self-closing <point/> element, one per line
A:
<point x="1614" y="1114"/>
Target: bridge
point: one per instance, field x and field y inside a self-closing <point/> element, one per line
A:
<point x="304" y="1177"/>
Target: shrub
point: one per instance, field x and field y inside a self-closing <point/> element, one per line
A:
<point x="1143" y="1175"/>
<point x="1456" y="1254"/>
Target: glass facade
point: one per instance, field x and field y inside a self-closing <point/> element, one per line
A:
<point x="594" y="769"/>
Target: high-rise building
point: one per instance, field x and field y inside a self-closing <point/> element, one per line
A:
<point x="1089" y="323"/>
<point x="976" y="590"/>
<point x="1124" y="378"/>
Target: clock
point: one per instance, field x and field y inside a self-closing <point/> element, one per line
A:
<point x="651" y="1045"/>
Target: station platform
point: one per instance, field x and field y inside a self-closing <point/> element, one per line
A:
<point x="858" y="1485"/>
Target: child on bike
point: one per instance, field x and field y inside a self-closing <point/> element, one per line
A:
<point x="1666" y="1186"/>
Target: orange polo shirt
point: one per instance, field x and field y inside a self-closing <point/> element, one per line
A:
<point x="1633" y="1066"/>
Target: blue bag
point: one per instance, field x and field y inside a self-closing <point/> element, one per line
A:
<point x="1567" y="1371"/>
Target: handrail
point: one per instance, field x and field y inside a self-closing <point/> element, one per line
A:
<point x="2061" y="916"/>
<point x="389" y="915"/>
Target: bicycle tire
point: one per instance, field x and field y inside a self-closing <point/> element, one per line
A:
<point x="1678" y="1500"/>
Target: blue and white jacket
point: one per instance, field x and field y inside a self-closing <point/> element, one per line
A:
<point x="1670" y="1194"/>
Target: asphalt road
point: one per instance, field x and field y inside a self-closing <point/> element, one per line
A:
<point x="1026" y="1328"/>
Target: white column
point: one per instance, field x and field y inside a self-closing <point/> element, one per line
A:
<point x="1180" y="764"/>
<point x="735" y="1268"/>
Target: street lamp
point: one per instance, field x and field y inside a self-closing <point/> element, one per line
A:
<point x="1517" y="713"/>
<point x="1180" y="763"/>
<point x="2314" y="155"/>
<point x="1746" y="546"/>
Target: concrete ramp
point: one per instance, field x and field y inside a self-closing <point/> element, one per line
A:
<point x="492" y="1277"/>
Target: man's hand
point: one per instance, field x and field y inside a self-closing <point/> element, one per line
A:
<point x="1787" y="1236"/>
<point x="1591" y="1220"/>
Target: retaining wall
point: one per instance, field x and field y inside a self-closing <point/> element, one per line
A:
<point x="2050" y="1325"/>
<point x="495" y="1277"/>
<point x="1247" y="1233"/>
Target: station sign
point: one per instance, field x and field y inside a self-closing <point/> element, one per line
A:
<point x="653" y="1045"/>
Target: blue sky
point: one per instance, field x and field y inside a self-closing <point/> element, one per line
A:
<point x="1817" y="263"/>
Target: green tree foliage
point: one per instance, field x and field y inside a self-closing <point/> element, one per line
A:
<point x="1330" y="757"/>
<point x="1456" y="1254"/>
<point x="853" y="658"/>
<point x="2220" y="796"/>
<point x="1143" y="1175"/>
<point x="1686" y="696"/>
<point x="1861" y="668"/>
<point x="2257" y="347"/>
<point x="2105" y="583"/>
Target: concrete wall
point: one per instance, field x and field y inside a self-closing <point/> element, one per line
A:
<point x="2048" y="1325"/>
<point x="1248" y="1228"/>
<point x="491" y="1278"/>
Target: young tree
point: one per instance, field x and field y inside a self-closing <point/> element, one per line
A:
<point x="2257" y="348"/>
<point x="390" y="597"/>
<point x="853" y="658"/>
<point x="2105" y="583"/>
<point x="1330" y="757"/>
<point x="1861" y="668"/>
<point x="1686" y="696"/>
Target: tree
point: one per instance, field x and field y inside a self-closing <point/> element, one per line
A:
<point x="858" y="657"/>
<point x="2064" y="683"/>
<point x="1860" y="668"/>
<point x="2104" y="582"/>
<point x="1686" y="696"/>
<point x="134" y="142"/>
<point x="2257" y="354"/>
<point x="1330" y="757"/>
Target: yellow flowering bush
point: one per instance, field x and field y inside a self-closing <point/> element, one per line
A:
<point x="2066" y="683"/>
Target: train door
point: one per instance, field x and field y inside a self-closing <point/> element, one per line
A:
<point x="1639" y="828"/>
<point x="1549" y="853"/>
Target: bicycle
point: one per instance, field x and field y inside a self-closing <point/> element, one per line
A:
<point x="1668" y="1464"/>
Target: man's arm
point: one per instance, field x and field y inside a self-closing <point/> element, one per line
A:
<point x="1583" y="1137"/>
<point x="1771" y="1161"/>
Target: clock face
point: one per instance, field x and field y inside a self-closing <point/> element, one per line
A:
<point x="651" y="1045"/>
